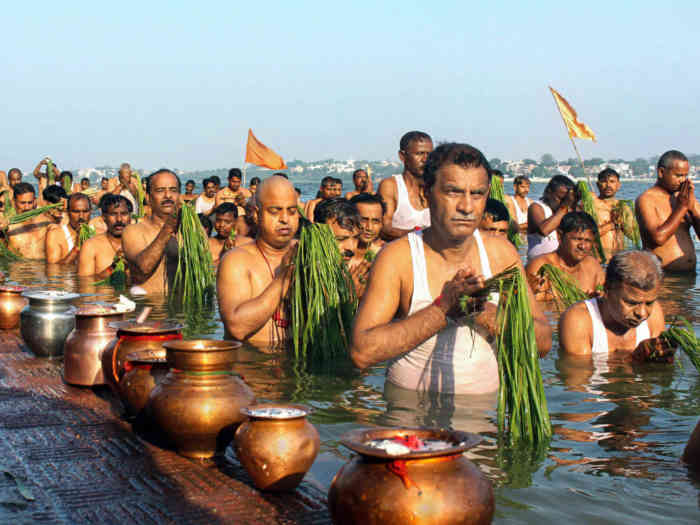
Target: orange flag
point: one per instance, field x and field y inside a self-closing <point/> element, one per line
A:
<point x="257" y="153"/>
<point x="576" y="128"/>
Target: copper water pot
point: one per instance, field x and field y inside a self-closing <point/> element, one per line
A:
<point x="423" y="488"/>
<point x="82" y="352"/>
<point x="11" y="304"/>
<point x="276" y="452"/>
<point x="133" y="337"/>
<point x="198" y="403"/>
<point x="143" y="370"/>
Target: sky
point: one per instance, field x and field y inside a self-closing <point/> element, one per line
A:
<point x="178" y="84"/>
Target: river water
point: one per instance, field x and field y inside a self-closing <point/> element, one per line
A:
<point x="618" y="432"/>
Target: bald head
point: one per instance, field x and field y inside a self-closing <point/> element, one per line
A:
<point x="636" y="268"/>
<point x="274" y="187"/>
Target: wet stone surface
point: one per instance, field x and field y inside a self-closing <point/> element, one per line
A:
<point x="69" y="457"/>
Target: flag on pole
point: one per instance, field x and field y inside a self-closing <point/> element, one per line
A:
<point x="576" y="128"/>
<point x="257" y="153"/>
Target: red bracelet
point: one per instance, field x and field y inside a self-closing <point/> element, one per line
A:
<point x="438" y="300"/>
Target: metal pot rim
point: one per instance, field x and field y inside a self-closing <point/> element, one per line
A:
<point x="50" y="296"/>
<point x="248" y="411"/>
<point x="148" y="327"/>
<point x="207" y="345"/>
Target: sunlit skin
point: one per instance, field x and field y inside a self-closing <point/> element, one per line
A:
<point x="229" y="193"/>
<point x="562" y="200"/>
<point x="370" y="226"/>
<point x="57" y="248"/>
<point x="24" y="202"/>
<point x="15" y="177"/>
<point x="98" y="253"/>
<point x="609" y="225"/>
<point x="222" y="242"/>
<point x="665" y="213"/>
<point x="326" y="191"/>
<point x="488" y="225"/>
<point x="84" y="184"/>
<point x="189" y="195"/>
<point x="346" y="239"/>
<point x="362" y="185"/>
<point x="28" y="238"/>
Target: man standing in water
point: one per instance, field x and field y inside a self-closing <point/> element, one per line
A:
<point x="62" y="244"/>
<point x="126" y="185"/>
<point x="28" y="238"/>
<point x="360" y="179"/>
<point x="667" y="210"/>
<point x="253" y="279"/>
<point x="189" y="194"/>
<point x="99" y="253"/>
<point x="233" y="189"/>
<point x="410" y="312"/>
<point x="609" y="218"/>
<point x="625" y="317"/>
<point x="371" y="209"/>
<point x="206" y="200"/>
<point x="150" y="247"/>
<point x="544" y="217"/>
<point x="224" y="223"/>
<point x="519" y="203"/>
<point x="326" y="191"/>
<point x="406" y="204"/>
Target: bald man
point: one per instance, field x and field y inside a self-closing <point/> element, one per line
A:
<point x="253" y="278"/>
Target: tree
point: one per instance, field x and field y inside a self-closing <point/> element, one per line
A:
<point x="595" y="161"/>
<point x="539" y="172"/>
<point x="639" y="167"/>
<point x="529" y="162"/>
<point x="496" y="164"/>
<point x="548" y="160"/>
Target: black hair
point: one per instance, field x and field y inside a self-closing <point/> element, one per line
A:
<point x="358" y="171"/>
<point x="23" y="187"/>
<point x="110" y="199"/>
<point x="327" y="180"/>
<point x="14" y="170"/>
<point x="521" y="178"/>
<point x="280" y="174"/>
<point x="255" y="181"/>
<point x="85" y="179"/>
<point x="78" y="197"/>
<point x="557" y="182"/>
<point x="104" y="179"/>
<point x="667" y="159"/>
<point x="413" y="136"/>
<point x="368" y="198"/>
<point x="54" y="193"/>
<point x="235" y="172"/>
<point x="577" y="221"/>
<point x="340" y="209"/>
<point x="207" y="181"/>
<point x="190" y="182"/>
<point x="462" y="155"/>
<point x="297" y="190"/>
<point x="337" y="181"/>
<point x="226" y="207"/>
<point x="608" y="172"/>
<point x="162" y="170"/>
<point x="496" y="210"/>
<point x="497" y="173"/>
<point x="66" y="174"/>
<point x="206" y="223"/>
<point x="215" y="179"/>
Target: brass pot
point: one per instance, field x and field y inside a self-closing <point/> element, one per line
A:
<point x="143" y="370"/>
<point x="276" y="451"/>
<point x="423" y="488"/>
<point x="11" y="304"/>
<point x="132" y="337"/>
<point x="82" y="352"/>
<point x="198" y="403"/>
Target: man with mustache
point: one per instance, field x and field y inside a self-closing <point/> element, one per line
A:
<point x="207" y="199"/>
<point x="126" y="185"/>
<point x="150" y="247"/>
<point x="362" y="182"/>
<point x="625" y="320"/>
<point x="253" y="279"/>
<point x="62" y="245"/>
<point x="667" y="210"/>
<point x="225" y="222"/>
<point x="100" y="252"/>
<point x="406" y="203"/>
<point x="27" y="238"/>
<point x="576" y="234"/>
<point x="410" y="314"/>
<point x="371" y="209"/>
<point x="610" y="221"/>
<point x="518" y="203"/>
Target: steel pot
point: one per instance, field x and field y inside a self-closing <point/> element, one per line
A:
<point x="11" y="304"/>
<point x="47" y="320"/>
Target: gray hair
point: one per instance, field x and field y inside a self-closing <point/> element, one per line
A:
<point x="636" y="268"/>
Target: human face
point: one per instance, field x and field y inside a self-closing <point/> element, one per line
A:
<point x="328" y="191"/>
<point x="224" y="224"/>
<point x="104" y="184"/>
<point x="117" y="217"/>
<point x="15" y="177"/>
<point x="78" y="213"/>
<point x="576" y="245"/>
<point x="25" y="202"/>
<point x="630" y="306"/>
<point x="210" y="190"/>
<point x="124" y="175"/>
<point x="346" y="239"/>
<point x="234" y="183"/>
<point x="672" y="178"/>
<point x="556" y="197"/>
<point x="164" y="194"/>
<point x="57" y="213"/>
<point x="608" y="187"/>
<point x="360" y="179"/>
<point x="84" y="184"/>
<point x="488" y="225"/>
<point x="338" y="190"/>
<point x="457" y="200"/>
<point x="252" y="188"/>
<point x="370" y="221"/>
<point x="415" y="156"/>
<point x="278" y="216"/>
<point x="189" y="188"/>
<point x="522" y="188"/>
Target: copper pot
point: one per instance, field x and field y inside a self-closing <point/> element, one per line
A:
<point x="198" y="403"/>
<point x="143" y="370"/>
<point x="423" y="488"/>
<point x="276" y="451"/>
<point x="133" y="337"/>
<point x="11" y="304"/>
<point x="84" y="346"/>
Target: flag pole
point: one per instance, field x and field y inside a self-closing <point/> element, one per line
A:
<point x="580" y="159"/>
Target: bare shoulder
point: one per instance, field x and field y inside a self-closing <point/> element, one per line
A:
<point x="501" y="252"/>
<point x="387" y="187"/>
<point x="238" y="258"/>
<point x="576" y="318"/>
<point x="95" y="242"/>
<point x="537" y="262"/>
<point x="650" y="196"/>
<point x="591" y="263"/>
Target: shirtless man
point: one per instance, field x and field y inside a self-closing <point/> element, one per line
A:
<point x="126" y="185"/>
<point x="224" y="223"/>
<point x="246" y="226"/>
<point x="54" y="194"/>
<point x="150" y="247"/>
<point x="233" y="189"/>
<point x="496" y="219"/>
<point x="253" y="186"/>
<point x="326" y="191"/>
<point x="406" y="204"/>
<point x="104" y="188"/>
<point x="62" y="245"/>
<point x="624" y="319"/>
<point x="667" y="210"/>
<point x="519" y="203"/>
<point x="207" y="199"/>
<point x="576" y="234"/>
<point x="544" y="217"/>
<point x="371" y="209"/>
<point x="410" y="312"/>
<point x="14" y="176"/>
<point x="65" y="180"/>
<point x="253" y="278"/>
<point x="189" y="196"/>
<point x="29" y="237"/>
<point x="609" y="220"/>
<point x="42" y="177"/>
<point x="99" y="253"/>
<point x="362" y="184"/>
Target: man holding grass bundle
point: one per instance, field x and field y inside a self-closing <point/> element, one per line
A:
<point x="100" y="252"/>
<point x="543" y="217"/>
<point x="62" y="246"/>
<point x="371" y="209"/>
<point x="410" y="313"/>
<point x="233" y="189"/>
<point x="606" y="207"/>
<point x="225" y="215"/>
<point x="28" y="238"/>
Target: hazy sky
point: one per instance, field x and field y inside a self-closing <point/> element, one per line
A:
<point x="178" y="84"/>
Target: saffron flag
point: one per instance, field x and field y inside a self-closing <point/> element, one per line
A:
<point x="576" y="128"/>
<point x="257" y="153"/>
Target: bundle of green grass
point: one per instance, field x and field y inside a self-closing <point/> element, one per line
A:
<point x="497" y="192"/>
<point x="587" y="203"/>
<point x="564" y="286"/>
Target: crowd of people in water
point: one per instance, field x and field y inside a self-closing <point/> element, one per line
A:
<point x="414" y="245"/>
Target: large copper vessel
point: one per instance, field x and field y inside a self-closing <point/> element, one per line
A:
<point x="82" y="352"/>
<point x="276" y="450"/>
<point x="198" y="403"/>
<point x="423" y="488"/>
<point x="135" y="337"/>
<point x="143" y="370"/>
<point x="11" y="304"/>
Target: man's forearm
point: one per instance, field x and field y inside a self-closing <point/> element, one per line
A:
<point x="547" y="226"/>
<point x="664" y="232"/>
<point x="250" y="316"/>
<point x="148" y="260"/>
